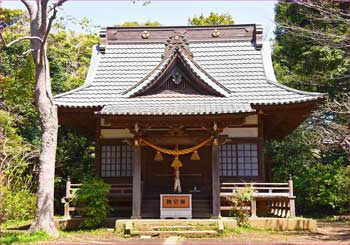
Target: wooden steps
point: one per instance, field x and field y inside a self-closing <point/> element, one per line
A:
<point x="172" y="227"/>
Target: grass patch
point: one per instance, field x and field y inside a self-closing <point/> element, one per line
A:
<point x="86" y="231"/>
<point x="23" y="237"/>
<point x="244" y="230"/>
<point x="9" y="224"/>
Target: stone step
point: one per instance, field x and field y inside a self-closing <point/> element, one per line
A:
<point x="180" y="228"/>
<point x="156" y="215"/>
<point x="163" y="234"/>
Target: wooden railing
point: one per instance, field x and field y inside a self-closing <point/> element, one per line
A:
<point x="280" y="196"/>
<point x="123" y="191"/>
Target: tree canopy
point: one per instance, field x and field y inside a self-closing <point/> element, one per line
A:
<point x="212" y="19"/>
<point x="311" y="53"/>
<point x="136" y="23"/>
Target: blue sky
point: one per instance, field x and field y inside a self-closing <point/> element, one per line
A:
<point x="108" y="13"/>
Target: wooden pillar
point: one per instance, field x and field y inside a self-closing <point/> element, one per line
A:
<point x="215" y="178"/>
<point x="291" y="197"/>
<point x="136" y="182"/>
<point x="253" y="207"/>
<point x="98" y="148"/>
<point x="261" y="146"/>
<point x="66" y="202"/>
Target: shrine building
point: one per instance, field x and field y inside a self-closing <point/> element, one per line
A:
<point x="184" y="110"/>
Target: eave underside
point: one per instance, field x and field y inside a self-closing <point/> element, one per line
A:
<point x="278" y="120"/>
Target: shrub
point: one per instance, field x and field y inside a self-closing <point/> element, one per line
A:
<point x="18" y="204"/>
<point x="241" y="198"/>
<point x="321" y="180"/>
<point x="92" y="196"/>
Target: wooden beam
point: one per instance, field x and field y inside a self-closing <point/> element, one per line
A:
<point x="136" y="182"/>
<point x="176" y="140"/>
<point x="149" y="122"/>
<point x="215" y="179"/>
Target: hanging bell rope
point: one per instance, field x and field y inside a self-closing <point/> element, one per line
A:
<point x="177" y="152"/>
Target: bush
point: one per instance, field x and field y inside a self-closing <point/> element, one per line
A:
<point x="18" y="204"/>
<point x="92" y="196"/>
<point x="241" y="198"/>
<point x="325" y="186"/>
<point x="321" y="181"/>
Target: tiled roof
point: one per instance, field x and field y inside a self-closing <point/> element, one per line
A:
<point x="237" y="65"/>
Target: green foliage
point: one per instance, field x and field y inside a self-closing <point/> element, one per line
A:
<point x="306" y="60"/>
<point x="136" y="23"/>
<point x="17" y="204"/>
<point x="212" y="19"/>
<point x="23" y="237"/>
<point x="240" y="199"/>
<point x="17" y="163"/>
<point x="92" y="196"/>
<point x="320" y="186"/>
<point x="69" y="55"/>
<point x="306" y="63"/>
<point x="10" y="17"/>
<point x="75" y="155"/>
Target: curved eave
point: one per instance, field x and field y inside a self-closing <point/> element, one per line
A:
<point x="101" y="113"/>
<point x="314" y="101"/>
<point x="73" y="106"/>
<point x="80" y="120"/>
<point x="280" y="119"/>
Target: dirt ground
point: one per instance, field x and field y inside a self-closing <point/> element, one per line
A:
<point x="327" y="233"/>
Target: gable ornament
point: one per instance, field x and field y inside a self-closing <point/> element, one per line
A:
<point x="215" y="33"/>
<point x="145" y="34"/>
<point x="177" y="77"/>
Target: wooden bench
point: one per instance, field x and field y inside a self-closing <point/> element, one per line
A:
<point x="279" y="196"/>
<point x="121" y="192"/>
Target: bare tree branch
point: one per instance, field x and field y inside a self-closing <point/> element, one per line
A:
<point x="20" y="39"/>
<point x="26" y="53"/>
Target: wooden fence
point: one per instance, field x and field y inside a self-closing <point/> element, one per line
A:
<point x="274" y="199"/>
<point x="117" y="191"/>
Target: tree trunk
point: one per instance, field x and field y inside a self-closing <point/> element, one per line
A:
<point x="44" y="215"/>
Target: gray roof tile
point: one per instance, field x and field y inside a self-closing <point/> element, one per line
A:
<point x="237" y="65"/>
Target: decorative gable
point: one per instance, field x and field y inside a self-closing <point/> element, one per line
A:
<point x="177" y="73"/>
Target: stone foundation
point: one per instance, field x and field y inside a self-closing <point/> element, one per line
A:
<point x="283" y="224"/>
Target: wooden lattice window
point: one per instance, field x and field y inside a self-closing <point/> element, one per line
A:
<point x="239" y="160"/>
<point x="116" y="160"/>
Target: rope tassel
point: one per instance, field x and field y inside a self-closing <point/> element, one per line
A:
<point x="176" y="163"/>
<point x="195" y="156"/>
<point x="158" y="156"/>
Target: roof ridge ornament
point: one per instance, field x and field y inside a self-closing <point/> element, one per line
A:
<point x="258" y="36"/>
<point x="175" y="43"/>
